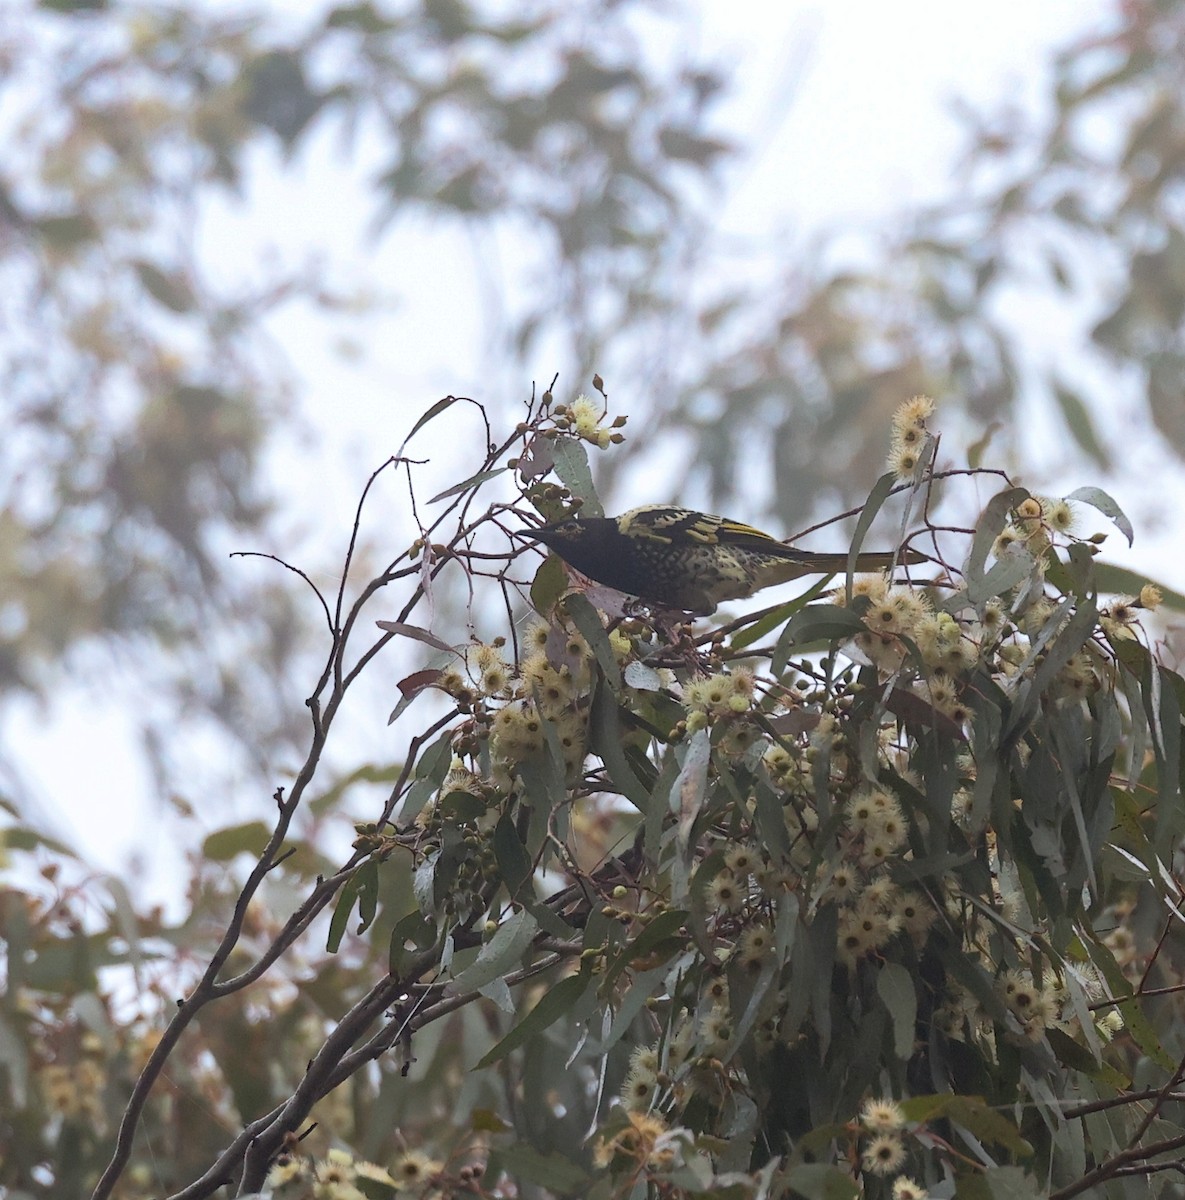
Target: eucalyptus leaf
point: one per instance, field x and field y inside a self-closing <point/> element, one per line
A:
<point x="470" y="484"/>
<point x="571" y="465"/>
<point x="1100" y="500"/>
<point x="895" y="986"/>
<point x="496" y="957"/>
<point x="552" y="1005"/>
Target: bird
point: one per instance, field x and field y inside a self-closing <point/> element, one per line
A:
<point x="682" y="559"/>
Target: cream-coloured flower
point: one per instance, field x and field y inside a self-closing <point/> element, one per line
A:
<point x="755" y="946"/>
<point x="285" y="1171"/>
<point x="413" y="1170"/>
<point x="725" y="894"/>
<point x="742" y="861"/>
<point x="716" y="1030"/>
<point x="639" y="1086"/>
<point x="882" y="1116"/>
<point x="915" y="411"/>
<point x="1059" y="515"/>
<point x="905" y="1188"/>
<point x="884" y="1154"/>
<point x="372" y="1171"/>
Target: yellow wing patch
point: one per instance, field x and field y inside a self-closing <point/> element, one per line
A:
<point x="666" y="524"/>
<point x="736" y="529"/>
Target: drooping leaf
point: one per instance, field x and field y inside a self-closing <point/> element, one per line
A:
<point x="822" y="623"/>
<point x="410" y="687"/>
<point x="560" y="1175"/>
<point x="442" y="405"/>
<point x="1099" y="499"/>
<point x="470" y="484"/>
<point x="553" y="1004"/>
<point x="549" y="584"/>
<point x="360" y="889"/>
<point x="169" y="288"/>
<point x="641" y="677"/>
<point x="571" y="465"/>
<point x="513" y="860"/>
<point x="777" y="616"/>
<point x="585" y="618"/>
<point x="817" y="1181"/>
<point x="496" y="957"/>
<point x="881" y="491"/>
<point x="415" y="928"/>
<point x="1120" y="580"/>
<point x="1000" y="1183"/>
<point x="403" y="629"/>
<point x="895" y="986"/>
<point x="667" y="926"/>
<point x="991" y="521"/>
<point x="605" y="740"/>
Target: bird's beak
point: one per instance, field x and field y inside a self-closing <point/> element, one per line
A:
<point x="539" y="534"/>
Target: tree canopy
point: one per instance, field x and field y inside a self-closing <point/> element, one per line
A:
<point x="867" y="886"/>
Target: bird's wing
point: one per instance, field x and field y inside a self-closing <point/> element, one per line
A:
<point x="662" y="523"/>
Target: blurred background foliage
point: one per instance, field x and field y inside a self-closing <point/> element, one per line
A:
<point x="142" y="389"/>
<point x="144" y="392"/>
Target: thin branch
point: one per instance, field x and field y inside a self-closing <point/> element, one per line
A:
<point x="855" y="512"/>
<point x="296" y="571"/>
<point x="206" y="989"/>
<point x="1121" y="1162"/>
<point x="1082" y="1110"/>
<point x="353" y="545"/>
<point x="334" y="1063"/>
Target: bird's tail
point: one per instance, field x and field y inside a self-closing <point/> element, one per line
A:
<point x="814" y="562"/>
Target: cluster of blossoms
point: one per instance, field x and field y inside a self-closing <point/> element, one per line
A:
<point x="645" y="1144"/>
<point x="876" y="914"/>
<point x="1036" y="522"/>
<point x="727" y="693"/>
<point x="940" y="650"/>
<point x="899" y="618"/>
<point x="516" y="711"/>
<point x="1050" y="1006"/>
<point x="1037" y="1009"/>
<point x="870" y="836"/>
<point x="339" y="1176"/>
<point x="583" y="418"/>
<point x="910" y="438"/>
<point x="849" y="871"/>
<point x="535" y="709"/>
<point x="897" y="615"/>
<point x="881" y="1127"/>
<point x="1120" y="618"/>
<point x="727" y="699"/>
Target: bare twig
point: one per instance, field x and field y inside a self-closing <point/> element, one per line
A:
<point x="296" y="571"/>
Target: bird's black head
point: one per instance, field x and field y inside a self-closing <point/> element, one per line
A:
<point x="568" y="532"/>
<point x="583" y="543"/>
